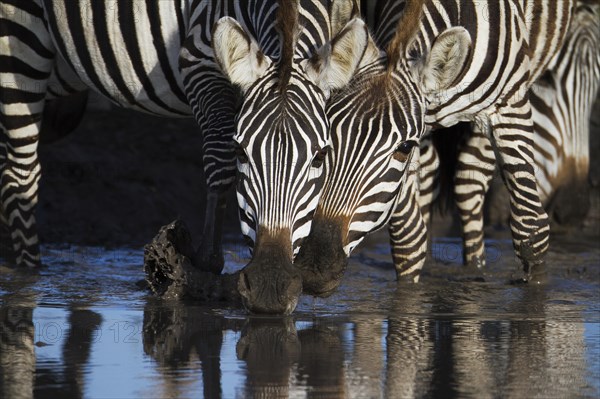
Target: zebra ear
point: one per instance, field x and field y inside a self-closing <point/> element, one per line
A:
<point x="341" y="12"/>
<point x="334" y="64"/>
<point x="237" y="53"/>
<point x="446" y="60"/>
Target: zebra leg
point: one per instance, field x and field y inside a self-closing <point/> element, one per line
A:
<point x="20" y="173"/>
<point x="209" y="256"/>
<point x="408" y="232"/>
<point x="474" y="171"/>
<point x="5" y="239"/>
<point x="27" y="61"/>
<point x="428" y="178"/>
<point x="214" y="102"/>
<point x="3" y="220"/>
<point x="512" y="139"/>
<point x="219" y="171"/>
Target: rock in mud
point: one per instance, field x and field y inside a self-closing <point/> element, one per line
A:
<point x="171" y="274"/>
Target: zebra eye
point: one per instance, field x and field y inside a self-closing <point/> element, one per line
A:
<point x="403" y="151"/>
<point x="320" y="157"/>
<point x="240" y="154"/>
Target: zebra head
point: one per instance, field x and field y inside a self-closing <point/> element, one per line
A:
<point x="376" y="123"/>
<point x="281" y="141"/>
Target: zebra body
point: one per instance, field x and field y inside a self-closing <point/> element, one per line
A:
<point x="93" y="37"/>
<point x="562" y="100"/>
<point x="445" y="62"/>
<point x="222" y="62"/>
<point x="491" y="80"/>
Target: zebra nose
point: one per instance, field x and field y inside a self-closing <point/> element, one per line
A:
<point x="321" y="260"/>
<point x="267" y="291"/>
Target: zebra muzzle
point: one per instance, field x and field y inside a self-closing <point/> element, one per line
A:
<point x="269" y="284"/>
<point x="322" y="260"/>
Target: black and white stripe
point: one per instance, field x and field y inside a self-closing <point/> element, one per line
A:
<point x="465" y="61"/>
<point x="283" y="166"/>
<point x="255" y="75"/>
<point x="562" y="100"/>
<point x="158" y="57"/>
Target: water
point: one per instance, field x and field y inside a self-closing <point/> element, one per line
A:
<point x="83" y="328"/>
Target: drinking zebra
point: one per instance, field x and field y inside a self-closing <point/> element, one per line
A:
<point x="445" y="62"/>
<point x="255" y="75"/>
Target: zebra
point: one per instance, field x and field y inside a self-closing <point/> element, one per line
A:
<point x="255" y="75"/>
<point x="440" y="68"/>
<point x="562" y="100"/>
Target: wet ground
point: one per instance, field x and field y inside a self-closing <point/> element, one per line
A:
<point x="84" y="328"/>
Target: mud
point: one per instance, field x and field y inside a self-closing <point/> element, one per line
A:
<point x="171" y="274"/>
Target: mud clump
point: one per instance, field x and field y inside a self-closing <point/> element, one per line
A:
<point x="171" y="274"/>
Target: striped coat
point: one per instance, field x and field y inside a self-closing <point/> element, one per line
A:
<point x="224" y="62"/>
<point x="435" y="64"/>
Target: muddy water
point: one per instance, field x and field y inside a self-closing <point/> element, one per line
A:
<point x="83" y="328"/>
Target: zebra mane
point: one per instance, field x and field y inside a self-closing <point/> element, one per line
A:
<point x="405" y="30"/>
<point x="287" y="27"/>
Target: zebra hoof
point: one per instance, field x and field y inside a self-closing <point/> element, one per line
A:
<point x="536" y="273"/>
<point x="170" y="273"/>
<point x="475" y="263"/>
<point x="533" y="273"/>
<point x="408" y="278"/>
<point x="166" y="258"/>
<point x="471" y="271"/>
<point x="208" y="261"/>
<point x="534" y="268"/>
<point x="469" y="274"/>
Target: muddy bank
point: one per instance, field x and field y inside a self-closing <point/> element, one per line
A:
<point x="171" y="273"/>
